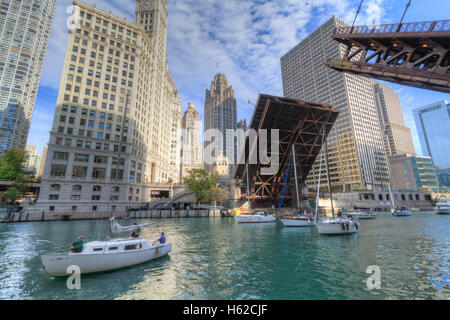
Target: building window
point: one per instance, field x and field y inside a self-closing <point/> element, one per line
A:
<point x="95" y="198"/>
<point x="99" y="173"/>
<point x="97" y="188"/>
<point x="76" y="197"/>
<point x="79" y="172"/>
<point x="53" y="197"/>
<point x="55" y="187"/>
<point x="51" y="208"/>
<point x="76" y="188"/>
<point x="58" y="171"/>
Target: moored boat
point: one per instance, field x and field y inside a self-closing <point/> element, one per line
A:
<point x="259" y="217"/>
<point x="337" y="227"/>
<point x="361" y="215"/>
<point x="297" y="221"/>
<point x="443" y="207"/>
<point x="401" y="212"/>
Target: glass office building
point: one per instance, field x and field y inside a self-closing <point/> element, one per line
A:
<point x="433" y="127"/>
<point x="25" y="27"/>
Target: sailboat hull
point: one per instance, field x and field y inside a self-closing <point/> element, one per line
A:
<point x="255" y="219"/>
<point x="89" y="262"/>
<point x="337" y="227"/>
<point x="292" y="222"/>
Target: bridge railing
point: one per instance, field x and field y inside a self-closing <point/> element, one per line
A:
<point x="409" y="27"/>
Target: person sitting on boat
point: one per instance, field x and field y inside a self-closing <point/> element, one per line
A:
<point x="77" y="247"/>
<point x="350" y="216"/>
<point x="135" y="233"/>
<point x="162" y="239"/>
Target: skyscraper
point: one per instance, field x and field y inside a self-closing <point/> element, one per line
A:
<point x="192" y="149"/>
<point x="356" y="153"/>
<point x="433" y="126"/>
<point x="397" y="137"/>
<point x="220" y="114"/>
<point x="116" y="111"/>
<point x="32" y="159"/>
<point x="24" y="31"/>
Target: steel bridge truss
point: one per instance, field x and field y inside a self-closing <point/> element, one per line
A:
<point x="413" y="54"/>
<point x="301" y="125"/>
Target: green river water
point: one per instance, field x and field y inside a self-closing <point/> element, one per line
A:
<point x="215" y="258"/>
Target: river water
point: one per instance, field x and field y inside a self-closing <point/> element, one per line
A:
<point x="215" y="258"/>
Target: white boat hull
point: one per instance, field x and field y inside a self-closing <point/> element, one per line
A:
<point x="443" y="210"/>
<point x="296" y="223"/>
<point x="337" y="227"/>
<point x="404" y="213"/>
<point x="363" y="215"/>
<point x="57" y="264"/>
<point x="443" y="207"/>
<point x="255" y="218"/>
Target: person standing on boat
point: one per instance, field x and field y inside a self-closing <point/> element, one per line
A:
<point x="339" y="214"/>
<point x="77" y="247"/>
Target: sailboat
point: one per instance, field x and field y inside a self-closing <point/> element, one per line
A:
<point x="260" y="217"/>
<point x="399" y="211"/>
<point x="339" y="226"/>
<point x="296" y="220"/>
<point x="99" y="256"/>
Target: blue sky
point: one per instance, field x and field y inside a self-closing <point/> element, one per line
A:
<point x="245" y="37"/>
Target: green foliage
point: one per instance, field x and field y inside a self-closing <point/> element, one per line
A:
<point x="12" y="169"/>
<point x="11" y="165"/>
<point x="201" y="183"/>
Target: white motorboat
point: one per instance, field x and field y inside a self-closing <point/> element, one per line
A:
<point x="401" y="212"/>
<point x="443" y="207"/>
<point x="337" y="227"/>
<point x="361" y="215"/>
<point x="297" y="221"/>
<point x="259" y="217"/>
<point x="99" y="256"/>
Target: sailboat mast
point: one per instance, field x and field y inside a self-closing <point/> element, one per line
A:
<point x="248" y="188"/>
<point x="320" y="175"/>
<point x="328" y="175"/>
<point x="296" y="179"/>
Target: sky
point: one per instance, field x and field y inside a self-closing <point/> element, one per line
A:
<point x="246" y="38"/>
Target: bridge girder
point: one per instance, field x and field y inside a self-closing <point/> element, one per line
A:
<point x="413" y="54"/>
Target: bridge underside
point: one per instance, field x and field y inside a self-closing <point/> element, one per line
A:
<point x="300" y="124"/>
<point x="413" y="54"/>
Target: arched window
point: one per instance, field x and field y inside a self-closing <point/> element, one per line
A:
<point x="97" y="188"/>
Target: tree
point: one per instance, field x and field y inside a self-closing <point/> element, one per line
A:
<point x="201" y="183"/>
<point x="12" y="165"/>
<point x="12" y="169"/>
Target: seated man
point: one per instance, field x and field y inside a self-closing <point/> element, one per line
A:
<point x="135" y="234"/>
<point x="162" y="239"/>
<point x="77" y="247"/>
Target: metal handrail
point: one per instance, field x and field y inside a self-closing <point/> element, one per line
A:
<point x="407" y="27"/>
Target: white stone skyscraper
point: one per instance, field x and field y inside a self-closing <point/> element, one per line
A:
<point x="192" y="148"/>
<point x="397" y="137"/>
<point x="25" y="27"/>
<point x="116" y="112"/>
<point x="356" y="153"/>
<point x="220" y="114"/>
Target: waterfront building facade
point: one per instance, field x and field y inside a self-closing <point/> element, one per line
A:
<point x="192" y="147"/>
<point x="433" y="125"/>
<point x="113" y="122"/>
<point x="25" y="27"/>
<point x="43" y="159"/>
<point x="32" y="159"/>
<point x="413" y="173"/>
<point x="220" y="114"/>
<point x="397" y="137"/>
<point x="357" y="159"/>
